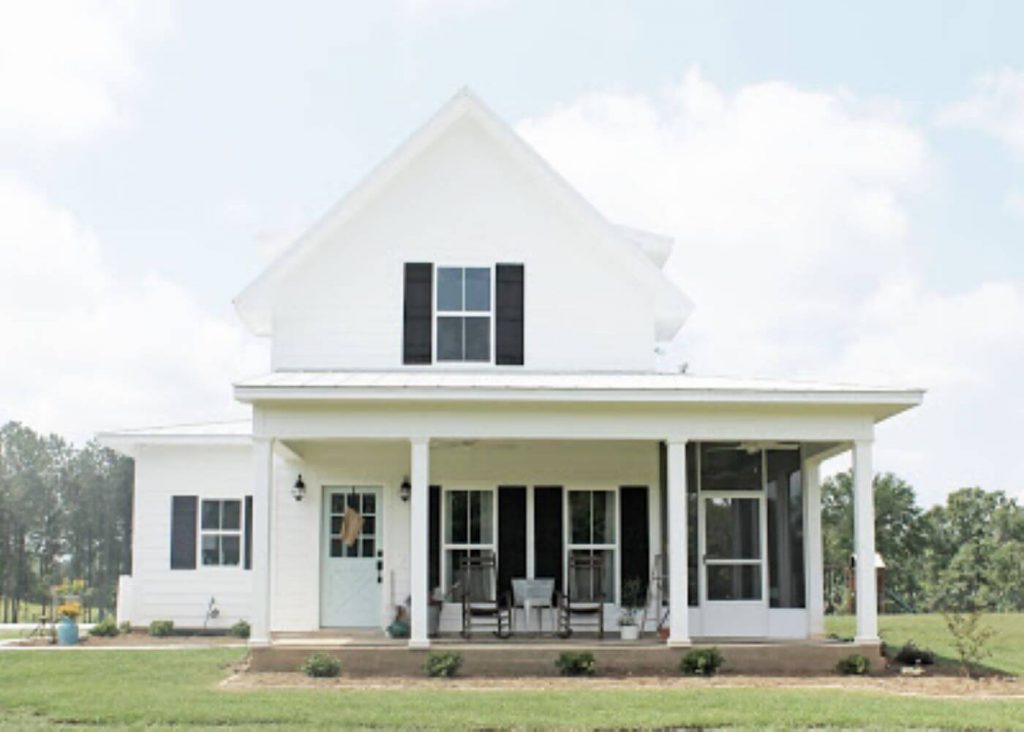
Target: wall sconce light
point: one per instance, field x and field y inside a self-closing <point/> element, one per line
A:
<point x="405" y="490"/>
<point x="299" y="489"/>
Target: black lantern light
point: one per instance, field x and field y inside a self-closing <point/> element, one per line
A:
<point x="405" y="490"/>
<point x="299" y="489"/>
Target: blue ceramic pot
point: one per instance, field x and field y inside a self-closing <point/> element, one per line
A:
<point x="67" y="632"/>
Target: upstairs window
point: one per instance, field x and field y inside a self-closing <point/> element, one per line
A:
<point x="463" y="310"/>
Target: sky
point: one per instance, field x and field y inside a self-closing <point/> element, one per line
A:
<point x="845" y="183"/>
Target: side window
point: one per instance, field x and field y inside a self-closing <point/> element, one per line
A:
<point x="464" y="308"/>
<point x="220" y="529"/>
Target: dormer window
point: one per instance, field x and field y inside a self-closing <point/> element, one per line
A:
<point x="463" y="311"/>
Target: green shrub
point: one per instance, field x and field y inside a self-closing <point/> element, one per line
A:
<point x="125" y="628"/>
<point x="853" y="665"/>
<point x="911" y="655"/>
<point x="576" y="663"/>
<point x="972" y="639"/>
<point x="322" y="665"/>
<point x="106" y="628"/>
<point x="444" y="665"/>
<point x="240" y="629"/>
<point x="702" y="662"/>
<point x="161" y="628"/>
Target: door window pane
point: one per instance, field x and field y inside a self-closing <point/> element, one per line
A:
<point x="732" y="528"/>
<point x="478" y="288"/>
<point x="477" y="332"/>
<point x="734" y="581"/>
<point x="449" y="339"/>
<point x="449" y="288"/>
<point x="211" y="514"/>
<point x="231" y="515"/>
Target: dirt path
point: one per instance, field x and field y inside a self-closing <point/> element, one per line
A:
<point x="935" y="686"/>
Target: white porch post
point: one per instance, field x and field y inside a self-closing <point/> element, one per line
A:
<point x="814" y="571"/>
<point x="864" y="543"/>
<point x="679" y="620"/>
<point x="419" y="565"/>
<point x="262" y="493"/>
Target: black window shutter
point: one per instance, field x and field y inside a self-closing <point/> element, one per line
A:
<point x="183" y="532"/>
<point x="434" y="532"/>
<point x="508" y="326"/>
<point x="635" y="536"/>
<point x="547" y="533"/>
<point x="248" y="533"/>
<point x="511" y="535"/>
<point x="417" y="331"/>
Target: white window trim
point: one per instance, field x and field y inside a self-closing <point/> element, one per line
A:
<point x="762" y="520"/>
<point x="614" y="546"/>
<point x="200" y="564"/>
<point x="492" y="546"/>
<point x="437" y="313"/>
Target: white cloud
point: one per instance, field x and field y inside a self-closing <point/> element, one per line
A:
<point x="66" y="64"/>
<point x="796" y="243"/>
<point x="85" y="350"/>
<point x="996" y="108"/>
<point x="1014" y="203"/>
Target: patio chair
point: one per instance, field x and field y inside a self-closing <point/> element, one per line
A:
<point x="534" y="594"/>
<point x="583" y="602"/>
<point x="481" y="603"/>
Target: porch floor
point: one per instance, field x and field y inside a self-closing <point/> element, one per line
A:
<point x="372" y="653"/>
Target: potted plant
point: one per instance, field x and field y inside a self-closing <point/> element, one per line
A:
<point x="67" y="628"/>
<point x="633" y="600"/>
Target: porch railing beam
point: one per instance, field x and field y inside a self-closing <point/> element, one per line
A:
<point x="679" y="625"/>
<point x="419" y="563"/>
<point x="864" y="531"/>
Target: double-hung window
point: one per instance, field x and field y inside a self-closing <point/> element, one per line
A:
<point x="221" y="533"/>
<point x="463" y="308"/>
<point x="592" y="531"/>
<point x="468" y="528"/>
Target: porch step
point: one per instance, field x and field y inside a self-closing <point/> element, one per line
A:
<point x="511" y="660"/>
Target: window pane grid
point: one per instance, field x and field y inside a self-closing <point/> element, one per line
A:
<point x="463" y="301"/>
<point x="220" y="536"/>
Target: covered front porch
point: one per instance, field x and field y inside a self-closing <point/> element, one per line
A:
<point x="724" y="521"/>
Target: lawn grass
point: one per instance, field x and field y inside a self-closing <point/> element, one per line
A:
<point x="113" y="689"/>
<point x="929" y="631"/>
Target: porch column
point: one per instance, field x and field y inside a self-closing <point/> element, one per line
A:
<point x="419" y="563"/>
<point x="814" y="549"/>
<point x="679" y="620"/>
<point x="864" y="541"/>
<point x="262" y="492"/>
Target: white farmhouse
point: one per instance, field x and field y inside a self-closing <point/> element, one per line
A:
<point x="464" y="395"/>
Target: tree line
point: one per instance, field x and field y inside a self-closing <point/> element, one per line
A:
<point x="965" y="554"/>
<point x="65" y="514"/>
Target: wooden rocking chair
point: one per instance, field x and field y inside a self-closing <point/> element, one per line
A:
<point x="481" y="604"/>
<point x="585" y="598"/>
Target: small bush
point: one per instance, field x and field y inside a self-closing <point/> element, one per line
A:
<point x="161" y="628"/>
<point x="853" y="665"/>
<point x="106" y="628"/>
<point x="702" y="662"/>
<point x="240" y="629"/>
<point x="443" y="665"/>
<point x="911" y="655"/>
<point x="322" y="665"/>
<point x="576" y="663"/>
<point x="125" y="628"/>
<point x="972" y="639"/>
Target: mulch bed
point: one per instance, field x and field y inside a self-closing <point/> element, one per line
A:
<point x="929" y="686"/>
<point x="142" y="638"/>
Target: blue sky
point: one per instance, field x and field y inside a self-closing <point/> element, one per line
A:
<point x="154" y="157"/>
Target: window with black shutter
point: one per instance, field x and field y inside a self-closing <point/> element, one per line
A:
<point x="417" y="331"/>
<point x="183" y="532"/>
<point x="508" y="327"/>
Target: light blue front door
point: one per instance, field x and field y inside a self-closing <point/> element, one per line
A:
<point x="351" y="574"/>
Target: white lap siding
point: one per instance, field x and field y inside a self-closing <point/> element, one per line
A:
<point x="183" y="595"/>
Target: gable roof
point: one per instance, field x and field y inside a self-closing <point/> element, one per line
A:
<point x="255" y="303"/>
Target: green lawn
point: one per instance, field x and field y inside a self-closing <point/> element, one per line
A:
<point x="115" y="689"/>
<point x="929" y="631"/>
<point x="132" y="688"/>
